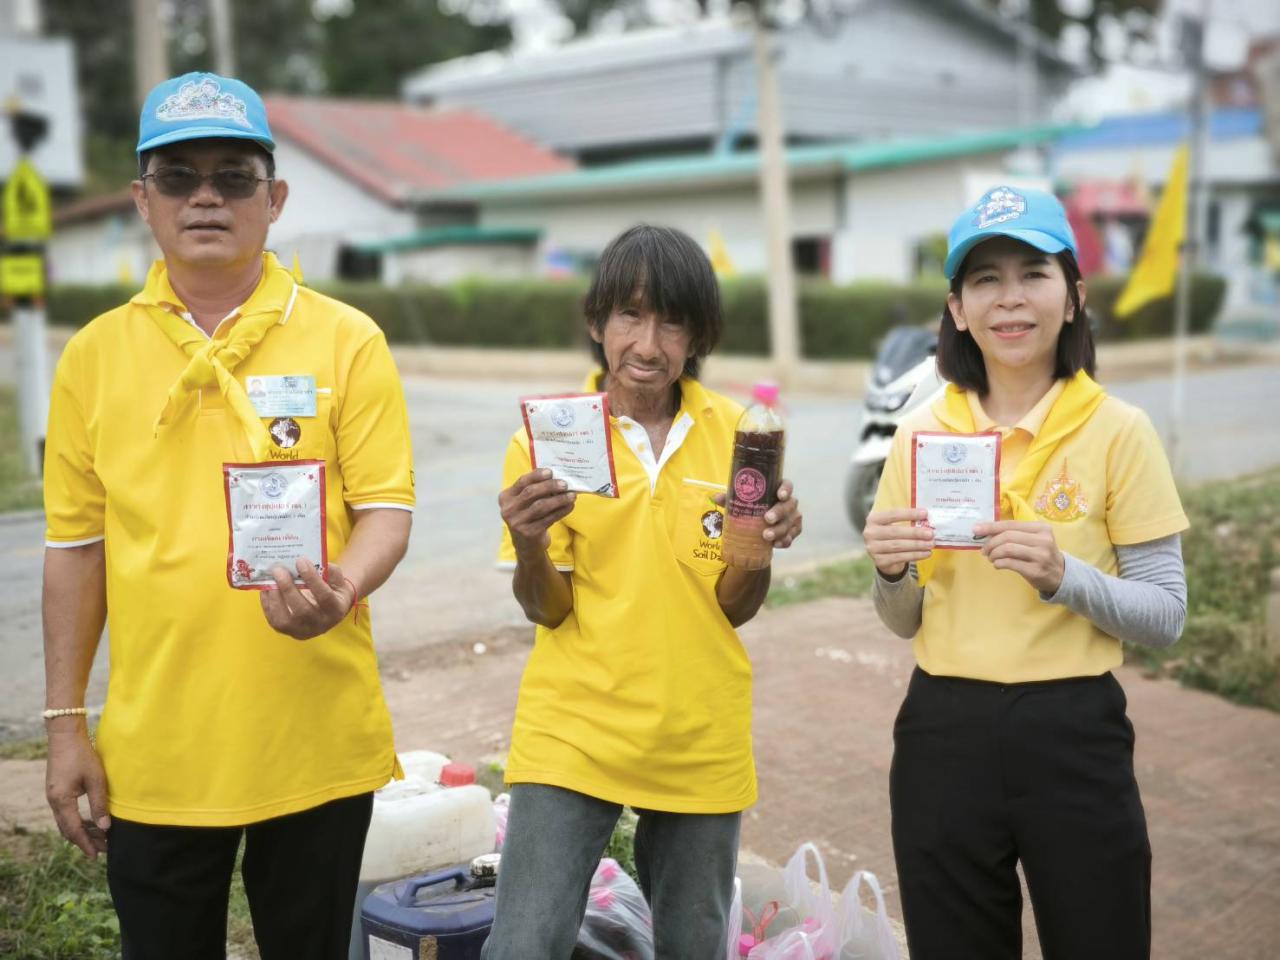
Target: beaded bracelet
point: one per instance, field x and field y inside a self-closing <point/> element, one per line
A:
<point x="65" y="712"/>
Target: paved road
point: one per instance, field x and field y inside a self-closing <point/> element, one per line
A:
<point x="447" y="584"/>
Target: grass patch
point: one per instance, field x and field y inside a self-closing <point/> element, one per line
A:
<point x="18" y="489"/>
<point x="848" y="578"/>
<point x="37" y="748"/>
<point x="54" y="903"/>
<point x="1230" y="550"/>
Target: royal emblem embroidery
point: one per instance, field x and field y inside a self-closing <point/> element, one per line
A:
<point x="1062" y="499"/>
<point x="999" y="205"/>
<point x="203" y="100"/>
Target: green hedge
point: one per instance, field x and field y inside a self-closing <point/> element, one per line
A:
<point x="837" y="322"/>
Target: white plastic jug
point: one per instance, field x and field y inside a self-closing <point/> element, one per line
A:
<point x="417" y="825"/>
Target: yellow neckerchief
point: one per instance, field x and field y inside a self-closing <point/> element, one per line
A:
<point x="1076" y="404"/>
<point x="213" y="360"/>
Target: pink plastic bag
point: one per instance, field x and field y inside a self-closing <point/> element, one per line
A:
<point x="617" y="924"/>
<point x="501" y="807"/>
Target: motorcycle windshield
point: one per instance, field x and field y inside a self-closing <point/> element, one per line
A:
<point x="902" y="349"/>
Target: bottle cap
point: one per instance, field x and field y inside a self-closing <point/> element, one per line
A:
<point x="766" y="391"/>
<point x="457" y="774"/>
<point x="745" y="943"/>
<point x="602" y="898"/>
<point x="608" y="870"/>
<point x="485" y="865"/>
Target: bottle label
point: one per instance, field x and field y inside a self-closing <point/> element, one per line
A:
<point x="754" y="484"/>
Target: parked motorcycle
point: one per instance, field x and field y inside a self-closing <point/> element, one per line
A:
<point x="903" y="378"/>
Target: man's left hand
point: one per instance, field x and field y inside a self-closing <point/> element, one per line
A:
<point x="783" y="521"/>
<point x="1028" y="548"/>
<point x="303" y="613"/>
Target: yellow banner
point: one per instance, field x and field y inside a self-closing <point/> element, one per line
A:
<point x="26" y="206"/>
<point x="21" y="275"/>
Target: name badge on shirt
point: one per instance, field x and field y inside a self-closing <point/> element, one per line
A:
<point x="285" y="396"/>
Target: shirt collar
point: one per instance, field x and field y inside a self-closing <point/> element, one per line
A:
<point x="275" y="292"/>
<point x="1031" y="421"/>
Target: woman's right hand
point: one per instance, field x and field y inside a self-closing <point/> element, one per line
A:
<point x="894" y="541"/>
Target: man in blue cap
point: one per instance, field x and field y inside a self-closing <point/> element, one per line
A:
<point x="219" y="724"/>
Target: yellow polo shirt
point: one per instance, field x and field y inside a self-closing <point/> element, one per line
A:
<point x="642" y="696"/>
<point x="1107" y="484"/>
<point x="211" y="717"/>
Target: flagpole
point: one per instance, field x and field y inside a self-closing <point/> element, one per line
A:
<point x="1193" y="48"/>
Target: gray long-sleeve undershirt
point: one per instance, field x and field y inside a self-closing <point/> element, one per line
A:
<point x="1146" y="603"/>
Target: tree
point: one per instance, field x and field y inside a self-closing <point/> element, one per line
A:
<point x="371" y="50"/>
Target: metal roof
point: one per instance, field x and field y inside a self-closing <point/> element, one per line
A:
<point x="1157" y="129"/>
<point x="703" y="170"/>
<point x="459" y="236"/>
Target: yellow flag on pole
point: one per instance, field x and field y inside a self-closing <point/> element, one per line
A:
<point x="721" y="262"/>
<point x="1156" y="271"/>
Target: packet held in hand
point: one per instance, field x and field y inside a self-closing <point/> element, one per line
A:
<point x="569" y="435"/>
<point x="275" y="514"/>
<point x="956" y="477"/>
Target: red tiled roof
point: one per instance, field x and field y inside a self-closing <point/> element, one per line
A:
<point x="395" y="150"/>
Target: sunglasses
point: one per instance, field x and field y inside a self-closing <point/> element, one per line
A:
<point x="184" y="181"/>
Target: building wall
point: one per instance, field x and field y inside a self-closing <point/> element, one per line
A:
<point x="584" y="225"/>
<point x="325" y="212"/>
<point x="114" y="249"/>
<point x="447" y="264"/>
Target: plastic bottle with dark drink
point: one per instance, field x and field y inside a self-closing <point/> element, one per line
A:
<point x="758" y="445"/>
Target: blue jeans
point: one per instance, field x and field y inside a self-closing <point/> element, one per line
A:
<point x="554" y="841"/>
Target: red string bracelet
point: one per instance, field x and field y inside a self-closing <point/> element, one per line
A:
<point x="356" y="602"/>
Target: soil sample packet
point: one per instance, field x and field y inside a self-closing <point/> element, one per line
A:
<point x="956" y="477"/>
<point x="275" y="514"/>
<point x="569" y="435"/>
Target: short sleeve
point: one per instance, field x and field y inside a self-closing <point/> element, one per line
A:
<point x="74" y="497"/>
<point x="515" y="466"/>
<point x="1142" y="499"/>
<point x="374" y="449"/>
<point x="894" y="490"/>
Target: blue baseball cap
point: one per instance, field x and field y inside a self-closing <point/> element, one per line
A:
<point x="1032" y="216"/>
<point x="201" y="106"/>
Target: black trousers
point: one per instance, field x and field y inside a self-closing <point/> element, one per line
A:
<point x="985" y="775"/>
<point x="170" y="884"/>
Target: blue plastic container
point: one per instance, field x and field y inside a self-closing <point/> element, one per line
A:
<point x="445" y="915"/>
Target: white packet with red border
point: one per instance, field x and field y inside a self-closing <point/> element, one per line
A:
<point x="569" y="435"/>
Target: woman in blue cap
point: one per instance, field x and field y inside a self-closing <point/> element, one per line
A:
<point x="1012" y="745"/>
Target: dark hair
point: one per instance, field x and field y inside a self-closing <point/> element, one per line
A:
<point x="674" y="279"/>
<point x="960" y="359"/>
<point x="144" y="159"/>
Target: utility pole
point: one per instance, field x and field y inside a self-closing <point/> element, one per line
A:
<point x="1193" y="29"/>
<point x="150" y="51"/>
<point x="224" y="54"/>
<point x="774" y="187"/>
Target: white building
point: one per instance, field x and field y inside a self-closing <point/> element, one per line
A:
<point x="356" y="171"/>
<point x="858" y="211"/>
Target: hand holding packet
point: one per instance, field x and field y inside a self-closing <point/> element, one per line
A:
<point x="275" y="514"/>
<point x="956" y="477"/>
<point x="569" y="435"/>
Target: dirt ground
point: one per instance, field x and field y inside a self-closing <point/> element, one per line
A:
<point x="829" y="680"/>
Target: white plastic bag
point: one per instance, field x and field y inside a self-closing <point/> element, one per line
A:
<point x="865" y="934"/>
<point x="617" y="924"/>
<point x="817" y="935"/>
